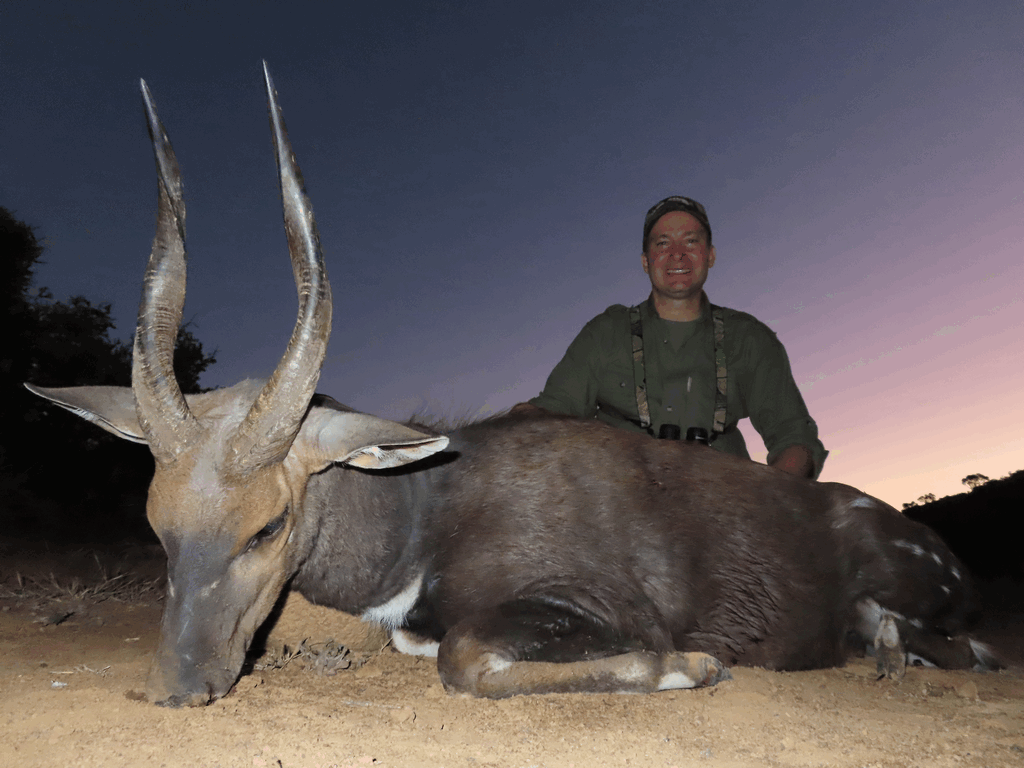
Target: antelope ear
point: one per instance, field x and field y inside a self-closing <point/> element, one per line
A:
<point x="112" y="408"/>
<point x="346" y="437"/>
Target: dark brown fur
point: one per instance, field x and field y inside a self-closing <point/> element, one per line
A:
<point x="671" y="545"/>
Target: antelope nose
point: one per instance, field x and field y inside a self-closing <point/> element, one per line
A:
<point x="179" y="700"/>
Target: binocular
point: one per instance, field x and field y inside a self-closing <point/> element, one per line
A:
<point x="693" y="434"/>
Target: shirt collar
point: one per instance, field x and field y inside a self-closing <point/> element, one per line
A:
<point x="648" y="313"/>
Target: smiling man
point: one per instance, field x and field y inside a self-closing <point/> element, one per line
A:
<point x="676" y="361"/>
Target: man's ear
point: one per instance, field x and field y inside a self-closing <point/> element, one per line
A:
<point x="345" y="437"/>
<point x="645" y="262"/>
<point x="112" y="408"/>
<point x="711" y="258"/>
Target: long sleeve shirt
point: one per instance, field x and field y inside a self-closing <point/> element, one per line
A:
<point x="595" y="379"/>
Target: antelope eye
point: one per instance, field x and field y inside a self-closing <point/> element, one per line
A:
<point x="268" y="531"/>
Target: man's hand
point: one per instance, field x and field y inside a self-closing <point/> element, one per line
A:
<point x="796" y="460"/>
<point x="525" y="408"/>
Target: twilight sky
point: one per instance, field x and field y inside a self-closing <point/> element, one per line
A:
<point x="480" y="171"/>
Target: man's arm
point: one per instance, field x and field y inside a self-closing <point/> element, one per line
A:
<point x="571" y="388"/>
<point x="526" y="408"/>
<point x="777" y="409"/>
<point x="796" y="460"/>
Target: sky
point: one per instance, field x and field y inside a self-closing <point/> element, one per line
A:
<point x="480" y="171"/>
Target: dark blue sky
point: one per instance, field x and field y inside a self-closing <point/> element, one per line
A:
<point x="480" y="172"/>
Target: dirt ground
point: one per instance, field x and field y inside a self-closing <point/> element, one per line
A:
<point x="77" y="629"/>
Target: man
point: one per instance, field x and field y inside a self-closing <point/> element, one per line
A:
<point x="676" y="361"/>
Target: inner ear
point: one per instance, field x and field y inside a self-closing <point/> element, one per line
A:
<point x="387" y="456"/>
<point x="331" y="436"/>
<point x="111" y="408"/>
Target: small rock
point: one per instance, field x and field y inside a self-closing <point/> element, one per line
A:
<point x="968" y="690"/>
<point x="403" y="715"/>
<point x="368" y="670"/>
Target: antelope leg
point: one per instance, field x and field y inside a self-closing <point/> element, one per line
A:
<point x="529" y="646"/>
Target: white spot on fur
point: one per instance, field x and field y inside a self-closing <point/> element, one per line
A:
<point x="392" y="613"/>
<point x="494" y="664"/>
<point x="171" y="592"/>
<point x="413" y="645"/>
<point x="182" y="633"/>
<point x="936" y="558"/>
<point x="863" y="501"/>
<point x="985" y="656"/>
<point x="632" y="670"/>
<point x="872" y="616"/>
<point x="945" y="589"/>
<point x="956" y="573"/>
<point x="205" y="591"/>
<point x="887" y="635"/>
<point x="914" y="549"/>
<point x="672" y="680"/>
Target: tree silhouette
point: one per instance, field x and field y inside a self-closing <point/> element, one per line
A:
<point x="19" y="253"/>
<point x="974" y="481"/>
<point x="58" y="472"/>
<point x="927" y="498"/>
<point x="978" y="527"/>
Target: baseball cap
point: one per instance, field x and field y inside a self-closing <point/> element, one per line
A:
<point x="675" y="203"/>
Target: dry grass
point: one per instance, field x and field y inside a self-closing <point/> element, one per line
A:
<point x="119" y="587"/>
<point x="327" y="658"/>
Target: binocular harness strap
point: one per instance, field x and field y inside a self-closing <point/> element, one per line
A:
<point x="636" y="332"/>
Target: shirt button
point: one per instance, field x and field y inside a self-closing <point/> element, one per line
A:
<point x="669" y="408"/>
<point x="622" y="383"/>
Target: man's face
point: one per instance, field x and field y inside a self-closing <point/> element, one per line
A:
<point x="678" y="257"/>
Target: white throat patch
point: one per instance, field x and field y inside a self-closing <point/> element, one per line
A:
<point x="392" y="613"/>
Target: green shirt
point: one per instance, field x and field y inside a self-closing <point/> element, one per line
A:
<point x="595" y="379"/>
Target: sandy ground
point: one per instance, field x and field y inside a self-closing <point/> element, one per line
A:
<point x="75" y="651"/>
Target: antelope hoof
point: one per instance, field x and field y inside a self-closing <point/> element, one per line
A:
<point x="179" y="700"/>
<point x="890" y="658"/>
<point x="691" y="670"/>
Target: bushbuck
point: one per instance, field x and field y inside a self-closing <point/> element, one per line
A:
<point x="530" y="553"/>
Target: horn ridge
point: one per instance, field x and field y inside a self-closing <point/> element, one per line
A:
<point x="163" y="413"/>
<point x="273" y="421"/>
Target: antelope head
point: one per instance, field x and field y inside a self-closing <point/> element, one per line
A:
<point x="232" y="465"/>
